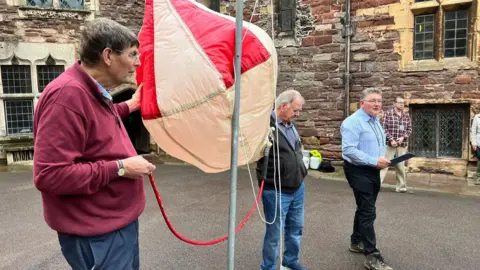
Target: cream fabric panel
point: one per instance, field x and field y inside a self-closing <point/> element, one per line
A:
<point x="180" y="63"/>
<point x="211" y="128"/>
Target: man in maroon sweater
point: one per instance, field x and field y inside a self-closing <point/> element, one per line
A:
<point x="88" y="172"/>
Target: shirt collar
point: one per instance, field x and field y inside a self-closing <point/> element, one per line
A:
<point x="365" y="116"/>
<point x="394" y="112"/>
<point x="274" y="115"/>
<point x="104" y="92"/>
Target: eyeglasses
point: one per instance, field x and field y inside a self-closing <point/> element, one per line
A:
<point x="133" y="55"/>
<point x="379" y="101"/>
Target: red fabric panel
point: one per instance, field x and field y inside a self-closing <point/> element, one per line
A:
<point x="216" y="35"/>
<point x="146" y="72"/>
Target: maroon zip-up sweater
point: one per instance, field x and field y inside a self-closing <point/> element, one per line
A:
<point x="78" y="136"/>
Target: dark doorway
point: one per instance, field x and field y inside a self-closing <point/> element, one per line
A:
<point x="133" y="123"/>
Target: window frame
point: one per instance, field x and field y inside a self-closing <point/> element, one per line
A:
<point x="415" y="34"/>
<point x="409" y="62"/>
<point x="40" y="86"/>
<point x="444" y="34"/>
<point x="33" y="96"/>
<point x="5" y="97"/>
<point x="287" y="10"/>
<point x="441" y="107"/>
<point x="439" y="33"/>
<point x="8" y="131"/>
<point x="57" y="4"/>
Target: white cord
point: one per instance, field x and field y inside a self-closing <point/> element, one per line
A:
<point x="243" y="141"/>
<point x="276" y="150"/>
<point x="276" y="129"/>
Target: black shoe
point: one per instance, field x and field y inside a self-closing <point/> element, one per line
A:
<point x="375" y="261"/>
<point x="357" y="248"/>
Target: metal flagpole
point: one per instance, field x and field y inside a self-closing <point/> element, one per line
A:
<point x="235" y="123"/>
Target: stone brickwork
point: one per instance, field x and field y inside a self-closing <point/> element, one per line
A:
<point x="29" y="24"/>
<point x="312" y="59"/>
<point x="314" y="65"/>
<point x="33" y="32"/>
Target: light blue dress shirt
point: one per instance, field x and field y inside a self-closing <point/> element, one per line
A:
<point x="288" y="130"/>
<point x="105" y="92"/>
<point x="363" y="139"/>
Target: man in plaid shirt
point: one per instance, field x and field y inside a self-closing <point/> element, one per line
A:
<point x="398" y="127"/>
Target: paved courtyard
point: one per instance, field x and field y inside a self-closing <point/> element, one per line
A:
<point x="415" y="231"/>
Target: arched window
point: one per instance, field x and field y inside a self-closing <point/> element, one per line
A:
<point x="48" y="72"/>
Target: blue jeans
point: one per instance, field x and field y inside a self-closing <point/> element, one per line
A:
<point x="117" y="250"/>
<point x="292" y="220"/>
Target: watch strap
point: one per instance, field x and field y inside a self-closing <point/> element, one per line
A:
<point x="120" y="164"/>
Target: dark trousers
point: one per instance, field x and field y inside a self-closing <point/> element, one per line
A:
<point x="117" y="250"/>
<point x="365" y="183"/>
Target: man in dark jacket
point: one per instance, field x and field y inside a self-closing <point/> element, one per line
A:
<point x="283" y="173"/>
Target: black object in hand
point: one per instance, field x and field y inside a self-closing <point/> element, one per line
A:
<point x="401" y="158"/>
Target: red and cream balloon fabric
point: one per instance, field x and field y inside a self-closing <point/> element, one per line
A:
<point x="187" y="72"/>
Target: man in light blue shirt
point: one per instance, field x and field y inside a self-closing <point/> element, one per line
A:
<point x="363" y="151"/>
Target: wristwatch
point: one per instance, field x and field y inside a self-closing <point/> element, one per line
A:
<point x="121" y="170"/>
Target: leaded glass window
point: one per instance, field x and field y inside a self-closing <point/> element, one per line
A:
<point x="424" y="132"/>
<point x="40" y="3"/>
<point x="71" y="4"/>
<point x="455" y="33"/>
<point x="19" y="116"/>
<point x="424" y="30"/>
<point x="450" y="123"/>
<point x="46" y="74"/>
<point x="16" y="79"/>
<point x="438" y="131"/>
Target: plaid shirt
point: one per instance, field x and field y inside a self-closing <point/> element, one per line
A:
<point x="396" y="126"/>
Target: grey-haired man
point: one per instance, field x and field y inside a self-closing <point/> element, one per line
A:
<point x="89" y="174"/>
<point x="363" y="151"/>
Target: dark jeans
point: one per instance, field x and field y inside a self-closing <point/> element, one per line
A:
<point x="365" y="183"/>
<point x="117" y="250"/>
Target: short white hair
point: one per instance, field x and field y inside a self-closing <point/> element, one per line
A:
<point x="368" y="91"/>
<point x="288" y="96"/>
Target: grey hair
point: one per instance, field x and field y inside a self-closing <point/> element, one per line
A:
<point x="288" y="96"/>
<point x="104" y="33"/>
<point x="368" y="91"/>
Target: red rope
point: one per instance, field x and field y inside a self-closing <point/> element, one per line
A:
<point x="193" y="242"/>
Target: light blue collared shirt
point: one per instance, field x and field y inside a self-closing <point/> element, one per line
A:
<point x="363" y="139"/>
<point x="288" y="130"/>
<point x="105" y="93"/>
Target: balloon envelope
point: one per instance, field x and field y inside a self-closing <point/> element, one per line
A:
<point x="187" y="72"/>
